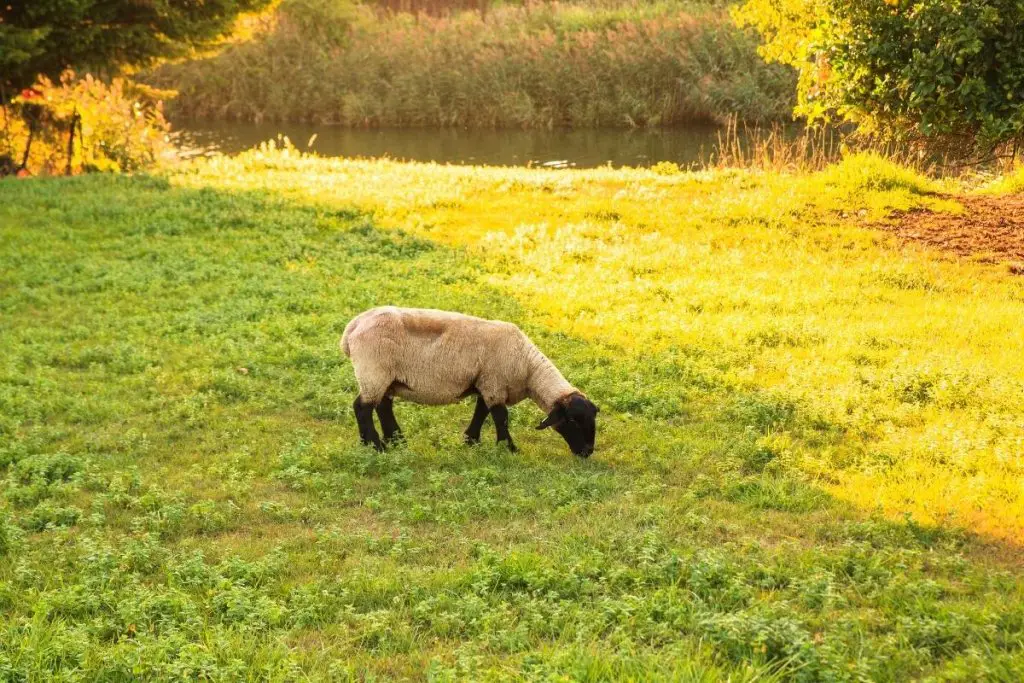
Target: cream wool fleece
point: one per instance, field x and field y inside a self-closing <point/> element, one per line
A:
<point x="438" y="357"/>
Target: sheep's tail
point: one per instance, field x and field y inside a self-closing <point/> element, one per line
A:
<point x="345" y="335"/>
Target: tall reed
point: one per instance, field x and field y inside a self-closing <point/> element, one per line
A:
<point x="774" y="148"/>
<point x="548" y="66"/>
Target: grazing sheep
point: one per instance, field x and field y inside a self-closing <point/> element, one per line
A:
<point x="436" y="357"/>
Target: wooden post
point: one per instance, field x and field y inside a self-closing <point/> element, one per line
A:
<point x="71" y="140"/>
<point x="28" y="147"/>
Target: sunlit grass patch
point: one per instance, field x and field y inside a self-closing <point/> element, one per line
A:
<point x="762" y="280"/>
<point x="1007" y="183"/>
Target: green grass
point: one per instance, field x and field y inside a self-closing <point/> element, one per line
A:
<point x="183" y="494"/>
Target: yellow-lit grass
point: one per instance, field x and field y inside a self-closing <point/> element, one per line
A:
<point x="778" y="279"/>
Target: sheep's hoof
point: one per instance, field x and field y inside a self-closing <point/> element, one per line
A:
<point x="469" y="439"/>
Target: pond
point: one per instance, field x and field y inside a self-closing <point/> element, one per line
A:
<point x="556" y="148"/>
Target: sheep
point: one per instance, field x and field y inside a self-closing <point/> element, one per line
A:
<point x="438" y="357"/>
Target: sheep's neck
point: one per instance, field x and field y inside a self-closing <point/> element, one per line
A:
<point x="546" y="384"/>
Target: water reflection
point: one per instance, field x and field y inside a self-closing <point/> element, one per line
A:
<point x="558" y="149"/>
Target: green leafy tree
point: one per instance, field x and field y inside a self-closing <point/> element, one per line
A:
<point x="45" y="37"/>
<point x="945" y="72"/>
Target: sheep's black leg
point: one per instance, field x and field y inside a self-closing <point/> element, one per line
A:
<point x="364" y="418"/>
<point x="500" y="415"/>
<point x="480" y="413"/>
<point x="388" y="423"/>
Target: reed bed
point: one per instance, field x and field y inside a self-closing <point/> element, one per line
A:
<point x="514" y="66"/>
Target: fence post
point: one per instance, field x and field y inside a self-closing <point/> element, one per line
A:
<point x="71" y="140"/>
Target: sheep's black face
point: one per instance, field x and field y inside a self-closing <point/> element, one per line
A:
<point x="576" y="420"/>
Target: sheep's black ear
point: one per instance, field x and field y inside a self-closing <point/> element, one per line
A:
<point x="555" y="417"/>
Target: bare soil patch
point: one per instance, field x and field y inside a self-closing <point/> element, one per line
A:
<point x="990" y="229"/>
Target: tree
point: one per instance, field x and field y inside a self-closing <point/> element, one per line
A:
<point x="949" y="73"/>
<point x="46" y="37"/>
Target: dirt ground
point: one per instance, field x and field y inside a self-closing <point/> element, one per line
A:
<point x="990" y="229"/>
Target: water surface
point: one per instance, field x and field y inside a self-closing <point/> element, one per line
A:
<point x="559" y="148"/>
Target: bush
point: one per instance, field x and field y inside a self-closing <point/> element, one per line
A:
<point x="946" y="74"/>
<point x="117" y="126"/>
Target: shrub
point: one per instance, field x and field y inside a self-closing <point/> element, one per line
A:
<point x="117" y="126"/>
<point x="947" y="74"/>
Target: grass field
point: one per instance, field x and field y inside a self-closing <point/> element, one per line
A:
<point x="808" y="457"/>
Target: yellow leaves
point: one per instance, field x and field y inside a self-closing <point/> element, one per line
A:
<point x="786" y="26"/>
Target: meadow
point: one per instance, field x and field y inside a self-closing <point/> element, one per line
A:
<point x="807" y="462"/>
<point x="543" y="65"/>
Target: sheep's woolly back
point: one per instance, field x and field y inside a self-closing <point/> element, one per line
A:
<point x="344" y="336"/>
<point x="439" y="357"/>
